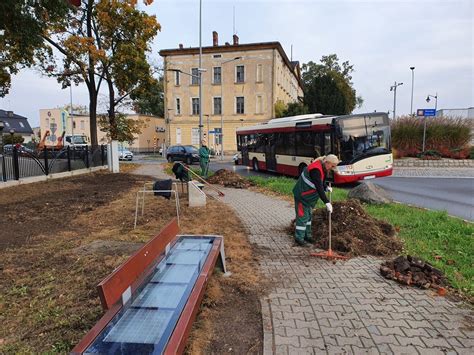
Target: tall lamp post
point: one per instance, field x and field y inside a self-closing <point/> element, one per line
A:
<point x="394" y="89"/>
<point x="199" y="74"/>
<point x="222" y="105"/>
<point x="434" y="97"/>
<point x="412" y="86"/>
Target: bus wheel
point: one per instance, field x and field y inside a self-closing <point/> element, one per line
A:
<point x="255" y="164"/>
<point x="301" y="168"/>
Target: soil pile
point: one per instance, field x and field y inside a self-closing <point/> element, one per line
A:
<point x="354" y="232"/>
<point x="413" y="271"/>
<point x="228" y="178"/>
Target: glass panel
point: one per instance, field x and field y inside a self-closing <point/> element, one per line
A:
<point x="144" y="325"/>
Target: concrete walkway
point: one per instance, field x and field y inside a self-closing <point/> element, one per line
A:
<point x="316" y="307"/>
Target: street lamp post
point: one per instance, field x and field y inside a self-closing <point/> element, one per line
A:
<point x="222" y="105"/>
<point x="412" y="86"/>
<point x="199" y="74"/>
<point x="434" y="97"/>
<point x="394" y="89"/>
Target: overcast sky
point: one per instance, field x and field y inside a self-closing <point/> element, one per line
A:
<point x="381" y="38"/>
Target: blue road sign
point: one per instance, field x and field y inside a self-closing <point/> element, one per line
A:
<point x="427" y="112"/>
<point x="212" y="132"/>
<point x="430" y="112"/>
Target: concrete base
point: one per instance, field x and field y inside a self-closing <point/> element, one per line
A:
<point x="196" y="198"/>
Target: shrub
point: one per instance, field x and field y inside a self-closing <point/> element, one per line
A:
<point x="449" y="136"/>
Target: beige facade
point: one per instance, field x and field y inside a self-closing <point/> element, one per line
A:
<point x="58" y="120"/>
<point x="241" y="85"/>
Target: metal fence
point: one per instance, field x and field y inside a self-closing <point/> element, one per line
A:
<point x="18" y="162"/>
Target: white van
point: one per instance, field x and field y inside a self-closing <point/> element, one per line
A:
<point x="76" y="140"/>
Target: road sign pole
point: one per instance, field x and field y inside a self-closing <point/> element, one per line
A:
<point x="424" y="133"/>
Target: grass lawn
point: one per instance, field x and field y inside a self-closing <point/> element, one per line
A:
<point x="446" y="242"/>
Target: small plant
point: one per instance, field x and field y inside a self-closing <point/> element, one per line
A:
<point x="429" y="155"/>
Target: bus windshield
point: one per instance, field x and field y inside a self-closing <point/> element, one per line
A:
<point x="363" y="137"/>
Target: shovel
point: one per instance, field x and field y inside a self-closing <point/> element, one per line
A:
<point x="329" y="254"/>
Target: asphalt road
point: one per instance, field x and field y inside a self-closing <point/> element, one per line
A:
<point x="454" y="195"/>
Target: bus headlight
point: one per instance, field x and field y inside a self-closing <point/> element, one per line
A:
<point x="345" y="170"/>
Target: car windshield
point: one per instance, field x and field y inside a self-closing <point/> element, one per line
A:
<point x="191" y="149"/>
<point x="366" y="136"/>
<point x="79" y="140"/>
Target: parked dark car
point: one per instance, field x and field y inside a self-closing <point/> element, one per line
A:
<point x="20" y="148"/>
<point x="187" y="153"/>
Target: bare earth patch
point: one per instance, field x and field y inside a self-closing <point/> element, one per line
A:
<point x="60" y="238"/>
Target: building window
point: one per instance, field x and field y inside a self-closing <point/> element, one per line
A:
<point x="217" y="106"/>
<point x="195" y="76"/>
<point x="239" y="105"/>
<point x="259" y="73"/>
<point x="8" y="124"/>
<point x="176" y="78"/>
<point x="178" y="106"/>
<point x="178" y="135"/>
<point x="259" y="103"/>
<point x="195" y="136"/>
<point x="217" y="77"/>
<point x="195" y="105"/>
<point x="239" y="74"/>
<point x="83" y="126"/>
<point x="21" y="124"/>
<point x="217" y="56"/>
<point x="217" y="136"/>
<point x="74" y="124"/>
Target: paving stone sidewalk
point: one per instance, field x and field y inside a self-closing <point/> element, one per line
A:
<point x="317" y="307"/>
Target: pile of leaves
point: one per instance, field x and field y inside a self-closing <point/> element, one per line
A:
<point x="354" y="232"/>
<point x="228" y="178"/>
<point x="413" y="271"/>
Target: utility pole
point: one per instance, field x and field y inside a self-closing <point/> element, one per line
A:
<point x="412" y="86"/>
<point x="394" y="89"/>
<point x="200" y="74"/>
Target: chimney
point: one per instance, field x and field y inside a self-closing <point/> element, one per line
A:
<point x="180" y="46"/>
<point x="227" y="43"/>
<point x="236" y="40"/>
<point x="215" y="38"/>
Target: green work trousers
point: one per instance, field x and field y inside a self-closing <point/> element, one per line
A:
<point x="204" y="166"/>
<point x="303" y="221"/>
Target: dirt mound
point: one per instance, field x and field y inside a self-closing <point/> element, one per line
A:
<point x="413" y="271"/>
<point x="354" y="232"/>
<point x="228" y="178"/>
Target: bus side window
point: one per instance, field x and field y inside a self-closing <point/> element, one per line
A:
<point x="305" y="144"/>
<point x="284" y="143"/>
<point x="318" y="144"/>
<point x="327" y="143"/>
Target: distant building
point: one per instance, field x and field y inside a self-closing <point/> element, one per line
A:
<point x="461" y="113"/>
<point x="241" y="85"/>
<point x="57" y="121"/>
<point x="17" y="123"/>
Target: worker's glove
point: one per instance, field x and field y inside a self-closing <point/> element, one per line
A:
<point x="329" y="207"/>
<point x="329" y="188"/>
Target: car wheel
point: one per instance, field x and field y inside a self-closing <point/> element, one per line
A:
<point x="170" y="159"/>
<point x="236" y="162"/>
<point x="255" y="164"/>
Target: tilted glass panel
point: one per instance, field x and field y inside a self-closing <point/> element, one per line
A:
<point x="146" y="322"/>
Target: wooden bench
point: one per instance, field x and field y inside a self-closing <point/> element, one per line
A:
<point x="125" y="287"/>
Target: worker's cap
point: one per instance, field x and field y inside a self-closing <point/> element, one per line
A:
<point x="331" y="158"/>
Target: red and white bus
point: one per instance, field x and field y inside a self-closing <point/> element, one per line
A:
<point x="286" y="145"/>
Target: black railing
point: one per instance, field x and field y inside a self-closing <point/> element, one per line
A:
<point x="18" y="162"/>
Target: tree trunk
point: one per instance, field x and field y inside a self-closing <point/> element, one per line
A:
<point x="91" y="76"/>
<point x="112" y="120"/>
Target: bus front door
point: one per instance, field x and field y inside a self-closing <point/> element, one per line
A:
<point x="245" y="156"/>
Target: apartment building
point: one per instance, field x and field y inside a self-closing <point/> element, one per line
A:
<point x="241" y="84"/>
<point x="58" y="121"/>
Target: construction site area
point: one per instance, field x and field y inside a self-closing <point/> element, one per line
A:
<point x="67" y="245"/>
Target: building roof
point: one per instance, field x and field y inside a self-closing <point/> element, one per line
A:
<point x="238" y="48"/>
<point x="13" y="121"/>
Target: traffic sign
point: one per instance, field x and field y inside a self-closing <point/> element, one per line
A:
<point x="212" y="132"/>
<point x="427" y="112"/>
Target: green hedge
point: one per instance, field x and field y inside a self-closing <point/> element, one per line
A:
<point x="448" y="136"/>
